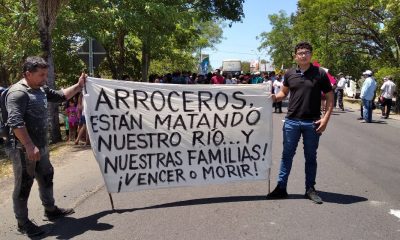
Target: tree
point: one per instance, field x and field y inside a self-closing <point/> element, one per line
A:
<point x="48" y="10"/>
<point x="279" y="41"/>
<point x="136" y="32"/>
<point x="347" y="35"/>
<point x="18" y="37"/>
<point x="152" y="33"/>
<point x="361" y="31"/>
<point x="245" y="67"/>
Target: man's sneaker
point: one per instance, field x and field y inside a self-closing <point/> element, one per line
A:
<point x="57" y="213"/>
<point x="30" y="229"/>
<point x="278" y="193"/>
<point x="313" y="196"/>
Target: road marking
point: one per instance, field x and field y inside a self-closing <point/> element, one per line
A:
<point x="86" y="195"/>
<point x="396" y="213"/>
<point x="376" y="203"/>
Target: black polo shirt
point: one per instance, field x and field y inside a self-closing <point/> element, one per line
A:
<point x="305" y="92"/>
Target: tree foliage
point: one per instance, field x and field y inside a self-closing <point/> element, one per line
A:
<point x="136" y="32"/>
<point x="280" y="40"/>
<point x="18" y="37"/>
<point x="245" y="66"/>
<point x="347" y="35"/>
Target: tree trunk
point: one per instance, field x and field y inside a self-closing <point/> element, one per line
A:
<point x="46" y="43"/>
<point x="121" y="57"/>
<point x="110" y="63"/>
<point x="4" y="77"/>
<point x="145" y="60"/>
<point x="397" y="40"/>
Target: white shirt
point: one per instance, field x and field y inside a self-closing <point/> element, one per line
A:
<point x="388" y="89"/>
<point x="230" y="81"/>
<point x="341" y="84"/>
<point x="277" y="86"/>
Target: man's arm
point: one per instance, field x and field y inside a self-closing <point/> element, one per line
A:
<point x="74" y="89"/>
<point x="31" y="150"/>
<point x="323" y="122"/>
<point x="383" y="86"/>
<point x="281" y="95"/>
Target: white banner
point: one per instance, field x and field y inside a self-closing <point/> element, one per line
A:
<point x="147" y="136"/>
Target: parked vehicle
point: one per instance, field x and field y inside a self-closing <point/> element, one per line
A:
<point x="232" y="66"/>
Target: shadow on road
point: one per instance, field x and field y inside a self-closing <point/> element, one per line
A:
<point x="69" y="227"/>
<point x="330" y="197"/>
<point x="202" y="201"/>
<point x="341" y="198"/>
<point x="379" y="122"/>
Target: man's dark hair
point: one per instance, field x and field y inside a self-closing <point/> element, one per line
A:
<point x="32" y="64"/>
<point x="303" y="45"/>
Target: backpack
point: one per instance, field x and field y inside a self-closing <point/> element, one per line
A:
<point x="4" y="129"/>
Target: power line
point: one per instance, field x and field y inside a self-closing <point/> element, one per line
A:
<point x="254" y="54"/>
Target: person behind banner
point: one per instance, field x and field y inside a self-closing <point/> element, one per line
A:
<point x="367" y="96"/>
<point x="388" y="89"/>
<point x="277" y="85"/>
<point x="73" y="120"/>
<point x="26" y="104"/>
<point x="340" y="90"/>
<point x="82" y="131"/>
<point x="305" y="84"/>
<point x="218" y="78"/>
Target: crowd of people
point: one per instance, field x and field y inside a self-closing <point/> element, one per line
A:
<point x="368" y="96"/>
<point x="216" y="77"/>
<point x="275" y="80"/>
<point x="338" y="84"/>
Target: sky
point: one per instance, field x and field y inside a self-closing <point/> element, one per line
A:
<point x="239" y="41"/>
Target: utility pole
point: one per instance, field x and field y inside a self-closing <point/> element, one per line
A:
<point x="91" y="70"/>
<point x="200" y="60"/>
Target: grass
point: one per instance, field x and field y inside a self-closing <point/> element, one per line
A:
<point x="5" y="168"/>
<point x="6" y="164"/>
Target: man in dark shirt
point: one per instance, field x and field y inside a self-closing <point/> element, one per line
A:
<point x="305" y="84"/>
<point x="26" y="103"/>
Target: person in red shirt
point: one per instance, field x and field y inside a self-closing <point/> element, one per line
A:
<point x="217" y="79"/>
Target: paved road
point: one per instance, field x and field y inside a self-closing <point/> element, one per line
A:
<point x="358" y="176"/>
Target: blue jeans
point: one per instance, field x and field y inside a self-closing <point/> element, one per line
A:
<point x="367" y="110"/>
<point x="292" y="130"/>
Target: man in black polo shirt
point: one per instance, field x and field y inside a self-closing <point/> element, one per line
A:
<point x="305" y="84"/>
